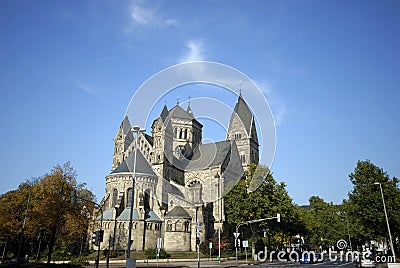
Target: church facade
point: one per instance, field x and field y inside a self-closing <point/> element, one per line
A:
<point x="173" y="182"/>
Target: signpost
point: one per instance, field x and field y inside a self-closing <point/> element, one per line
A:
<point x="199" y="227"/>
<point x="210" y="246"/>
<point x="159" y="246"/>
<point x="236" y="245"/>
<point x="245" y="244"/>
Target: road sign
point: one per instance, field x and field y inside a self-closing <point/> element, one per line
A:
<point x="237" y="242"/>
<point x="245" y="243"/>
<point x="159" y="242"/>
<point x="210" y="245"/>
<point x="236" y="235"/>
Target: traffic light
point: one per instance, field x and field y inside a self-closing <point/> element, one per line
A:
<point x="198" y="240"/>
<point x="101" y="234"/>
<point x="95" y="238"/>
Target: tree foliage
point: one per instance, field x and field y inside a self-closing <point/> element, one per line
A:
<point x="326" y="222"/>
<point x="365" y="206"/>
<point x="52" y="222"/>
<point x="268" y="199"/>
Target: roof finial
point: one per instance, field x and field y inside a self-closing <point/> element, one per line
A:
<point x="240" y="89"/>
<point x="188" y="107"/>
<point x="177" y="101"/>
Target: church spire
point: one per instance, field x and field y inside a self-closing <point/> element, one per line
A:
<point x="164" y="112"/>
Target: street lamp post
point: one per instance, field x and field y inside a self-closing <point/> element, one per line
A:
<point x="387" y="222"/>
<point x="137" y="130"/>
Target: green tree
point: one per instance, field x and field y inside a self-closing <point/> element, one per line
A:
<point x="326" y="223"/>
<point x="365" y="203"/>
<point x="265" y="200"/>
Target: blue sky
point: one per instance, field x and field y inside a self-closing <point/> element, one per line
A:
<point x="329" y="70"/>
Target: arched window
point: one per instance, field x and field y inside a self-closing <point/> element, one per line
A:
<point x="169" y="226"/>
<point x="175" y="133"/>
<point x="146" y="202"/>
<point x="187" y="225"/>
<point x="129" y="198"/>
<point x="186" y="133"/>
<point x="195" y="189"/>
<point x="178" y="226"/>
<point x="114" y="198"/>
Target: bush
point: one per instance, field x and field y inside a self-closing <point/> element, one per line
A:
<point x="151" y="253"/>
<point x="80" y="260"/>
<point x="205" y="248"/>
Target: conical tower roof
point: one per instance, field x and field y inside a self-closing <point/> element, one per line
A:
<point x="142" y="166"/>
<point x="244" y="113"/>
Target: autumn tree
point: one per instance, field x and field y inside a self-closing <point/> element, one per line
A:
<point x="52" y="221"/>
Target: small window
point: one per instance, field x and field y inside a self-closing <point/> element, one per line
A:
<point x="129" y="198"/>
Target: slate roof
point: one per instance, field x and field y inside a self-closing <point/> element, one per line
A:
<point x="142" y="166"/>
<point x="177" y="213"/>
<point x="164" y="113"/>
<point x="209" y="155"/>
<point x="244" y="113"/>
<point x="107" y="215"/>
<point x="178" y="112"/>
<point x="126" y="125"/>
<point x="153" y="217"/>
<point x="149" y="139"/>
<point x="126" y="132"/>
<point x="125" y="214"/>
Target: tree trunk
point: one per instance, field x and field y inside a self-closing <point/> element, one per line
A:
<point x="51" y="244"/>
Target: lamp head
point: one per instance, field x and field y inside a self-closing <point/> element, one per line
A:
<point x="135" y="128"/>
<point x="377" y="183"/>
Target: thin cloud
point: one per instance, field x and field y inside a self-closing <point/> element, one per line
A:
<point x="83" y="86"/>
<point x="144" y="16"/>
<point x="195" y="51"/>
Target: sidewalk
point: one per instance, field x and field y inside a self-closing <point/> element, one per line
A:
<point x="192" y="263"/>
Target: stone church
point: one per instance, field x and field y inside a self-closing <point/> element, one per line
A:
<point x="176" y="182"/>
